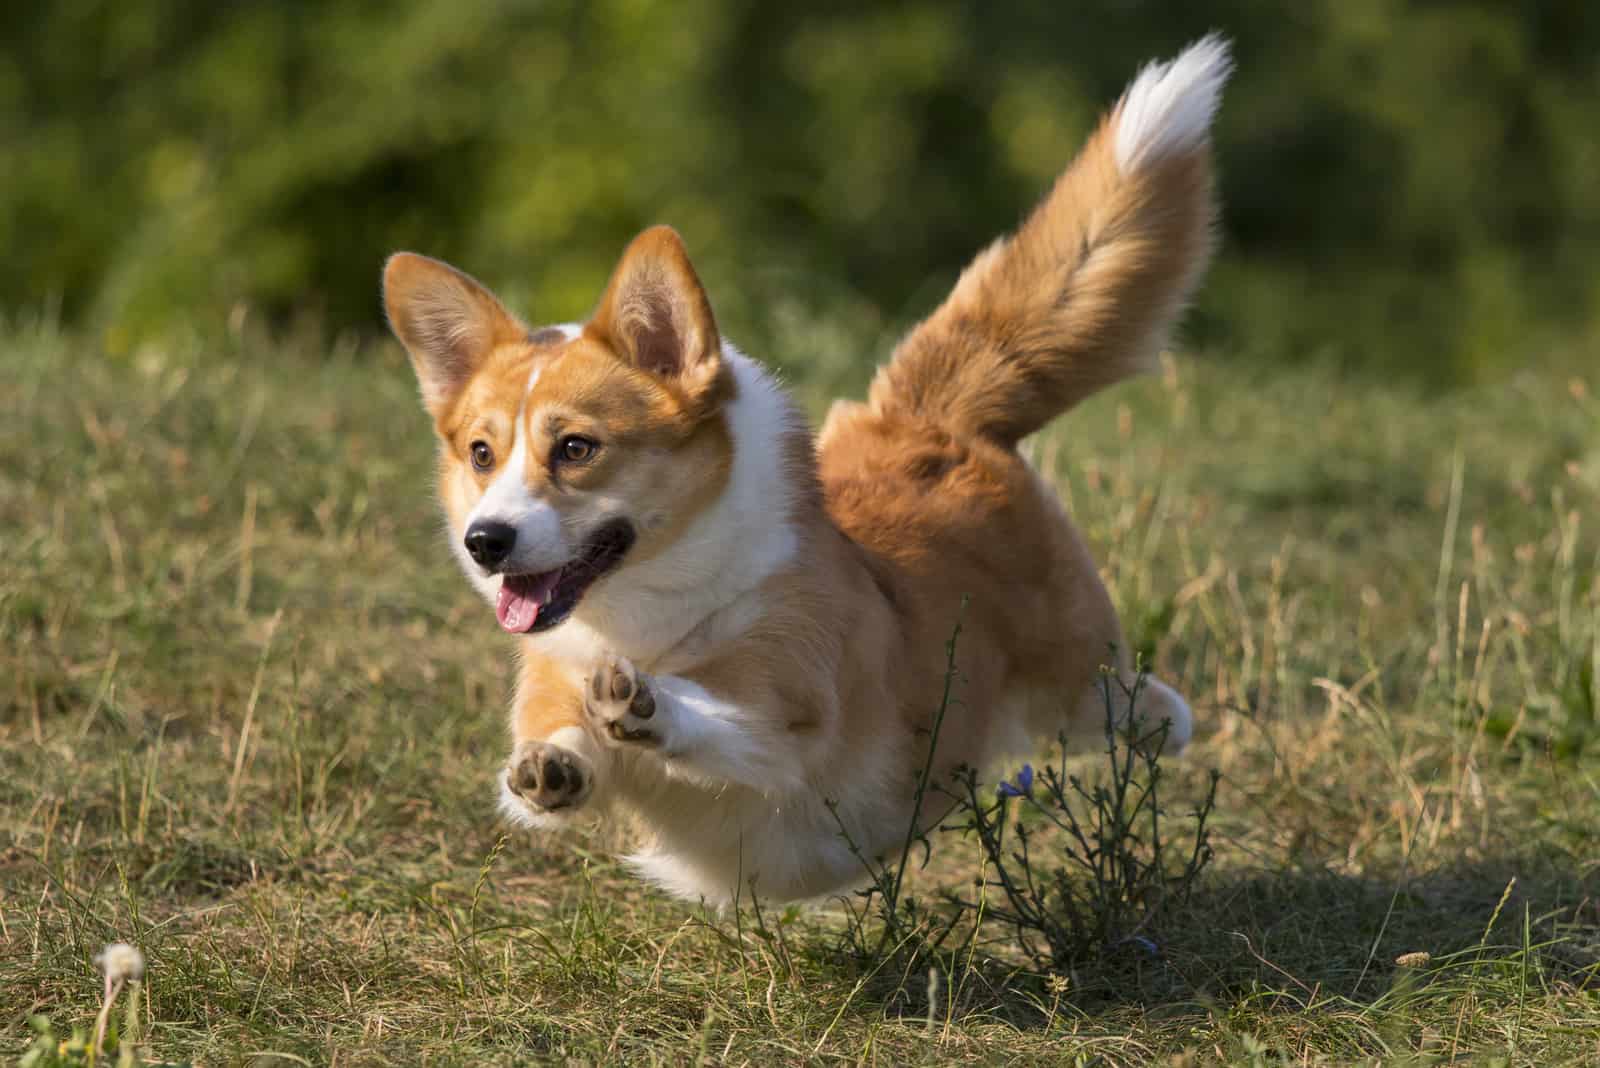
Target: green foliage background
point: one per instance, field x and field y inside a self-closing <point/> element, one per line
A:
<point x="1409" y="186"/>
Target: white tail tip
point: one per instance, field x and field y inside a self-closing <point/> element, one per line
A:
<point x="1168" y="109"/>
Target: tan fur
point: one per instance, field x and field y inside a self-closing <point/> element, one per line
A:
<point x="548" y="698"/>
<point x="659" y="446"/>
<point x="910" y="513"/>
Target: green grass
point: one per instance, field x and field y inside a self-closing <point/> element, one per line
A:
<point x="250" y="715"/>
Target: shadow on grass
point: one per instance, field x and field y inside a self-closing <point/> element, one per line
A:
<point x="1331" y="935"/>
<point x="1298" y="941"/>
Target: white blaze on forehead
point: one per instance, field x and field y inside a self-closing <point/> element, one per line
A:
<point x="568" y="331"/>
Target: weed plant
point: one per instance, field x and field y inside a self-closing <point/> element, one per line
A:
<point x="1074" y="868"/>
<point x="1086" y="867"/>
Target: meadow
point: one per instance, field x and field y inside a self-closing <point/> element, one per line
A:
<point x="250" y="719"/>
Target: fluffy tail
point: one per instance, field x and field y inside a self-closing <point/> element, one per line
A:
<point x="1084" y="293"/>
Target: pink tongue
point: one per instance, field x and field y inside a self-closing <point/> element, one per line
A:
<point x="521" y="597"/>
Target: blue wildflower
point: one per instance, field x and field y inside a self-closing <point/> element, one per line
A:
<point x="1022" y="787"/>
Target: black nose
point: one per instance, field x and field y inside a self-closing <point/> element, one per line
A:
<point x="489" y="543"/>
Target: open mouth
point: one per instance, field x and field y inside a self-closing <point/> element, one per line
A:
<point x="529" y="603"/>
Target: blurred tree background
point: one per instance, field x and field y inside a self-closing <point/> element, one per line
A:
<point x="1409" y="185"/>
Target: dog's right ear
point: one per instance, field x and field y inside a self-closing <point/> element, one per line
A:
<point x="655" y="314"/>
<point x="447" y="321"/>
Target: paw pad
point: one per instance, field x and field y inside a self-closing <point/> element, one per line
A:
<point x="619" y="703"/>
<point x="547" y="776"/>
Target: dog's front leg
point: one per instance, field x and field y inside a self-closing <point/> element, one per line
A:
<point x="696" y="735"/>
<point x="555" y="763"/>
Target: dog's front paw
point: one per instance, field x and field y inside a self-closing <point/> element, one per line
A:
<point x="547" y="777"/>
<point x="620" y="705"/>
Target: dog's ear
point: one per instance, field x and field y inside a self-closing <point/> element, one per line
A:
<point x="447" y="321"/>
<point x="655" y="314"/>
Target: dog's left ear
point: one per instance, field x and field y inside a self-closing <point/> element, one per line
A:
<point x="655" y="314"/>
<point x="448" y="322"/>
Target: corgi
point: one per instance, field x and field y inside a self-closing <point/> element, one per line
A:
<point x="733" y="630"/>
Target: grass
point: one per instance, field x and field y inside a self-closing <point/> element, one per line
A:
<point x="249" y="716"/>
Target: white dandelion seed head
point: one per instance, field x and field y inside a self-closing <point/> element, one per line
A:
<point x="121" y="962"/>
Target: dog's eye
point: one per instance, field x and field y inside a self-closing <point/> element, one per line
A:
<point x="482" y="455"/>
<point x="575" y="449"/>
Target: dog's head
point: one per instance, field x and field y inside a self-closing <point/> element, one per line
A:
<point x="566" y="454"/>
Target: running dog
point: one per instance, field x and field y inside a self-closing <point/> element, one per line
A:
<point x="735" y="630"/>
